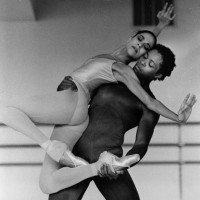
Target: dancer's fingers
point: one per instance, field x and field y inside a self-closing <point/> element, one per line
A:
<point x="172" y="17"/>
<point x="187" y="97"/>
<point x="159" y="14"/>
<point x="170" y="9"/>
<point x="110" y="173"/>
<point x="185" y="100"/>
<point x="165" y="7"/>
<point x="103" y="169"/>
<point x="169" y="13"/>
<point x="184" y="103"/>
<point x="106" y="172"/>
<point x="100" y="175"/>
<point x="192" y="101"/>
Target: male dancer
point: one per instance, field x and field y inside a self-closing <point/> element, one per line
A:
<point x="113" y="111"/>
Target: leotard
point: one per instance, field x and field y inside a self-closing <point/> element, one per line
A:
<point x="93" y="73"/>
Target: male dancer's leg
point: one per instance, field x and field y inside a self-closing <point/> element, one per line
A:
<point x="75" y="192"/>
<point x="121" y="188"/>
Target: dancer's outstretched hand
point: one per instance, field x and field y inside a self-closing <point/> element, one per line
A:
<point x="165" y="16"/>
<point x="186" y="108"/>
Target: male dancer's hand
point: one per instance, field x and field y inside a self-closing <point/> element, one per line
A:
<point x="109" y="164"/>
<point x="106" y="171"/>
<point x="186" y="108"/>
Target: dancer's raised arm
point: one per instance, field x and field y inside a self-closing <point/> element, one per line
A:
<point x="165" y="16"/>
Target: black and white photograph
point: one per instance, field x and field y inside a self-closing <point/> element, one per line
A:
<point x="99" y="99"/>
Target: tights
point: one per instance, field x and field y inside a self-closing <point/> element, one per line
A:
<point x="55" y="177"/>
<point x="112" y="106"/>
<point x="122" y="188"/>
<point x="64" y="107"/>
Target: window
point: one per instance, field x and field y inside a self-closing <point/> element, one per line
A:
<point x="145" y="11"/>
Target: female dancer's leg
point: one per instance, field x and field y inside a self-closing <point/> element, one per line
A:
<point x="65" y="107"/>
<point x="55" y="108"/>
<point x="53" y="178"/>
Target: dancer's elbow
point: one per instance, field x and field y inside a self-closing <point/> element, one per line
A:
<point x="150" y="103"/>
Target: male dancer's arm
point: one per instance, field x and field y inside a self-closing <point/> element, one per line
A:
<point x="144" y="133"/>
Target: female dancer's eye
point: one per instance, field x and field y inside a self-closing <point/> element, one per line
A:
<point x="140" y="37"/>
<point x="147" y="46"/>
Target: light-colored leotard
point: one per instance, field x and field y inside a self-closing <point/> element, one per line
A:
<point x="90" y="75"/>
<point x="93" y="73"/>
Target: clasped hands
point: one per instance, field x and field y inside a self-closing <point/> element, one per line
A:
<point x="111" y="166"/>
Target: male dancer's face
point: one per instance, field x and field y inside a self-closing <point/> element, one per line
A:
<point x="148" y="65"/>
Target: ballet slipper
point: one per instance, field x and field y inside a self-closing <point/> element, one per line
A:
<point x="54" y="149"/>
<point x="70" y="160"/>
<point x="125" y="162"/>
<point x="117" y="163"/>
<point x="60" y="152"/>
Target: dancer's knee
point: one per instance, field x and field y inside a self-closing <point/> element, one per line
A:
<point x="48" y="186"/>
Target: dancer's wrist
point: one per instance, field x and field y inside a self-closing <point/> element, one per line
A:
<point x="94" y="169"/>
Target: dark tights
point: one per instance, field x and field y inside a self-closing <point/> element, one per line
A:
<point x="113" y="111"/>
<point x="123" y="188"/>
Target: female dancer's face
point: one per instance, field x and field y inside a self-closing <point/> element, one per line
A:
<point x="139" y="44"/>
<point x="148" y="65"/>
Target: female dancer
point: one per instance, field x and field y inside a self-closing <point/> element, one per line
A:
<point x="71" y="106"/>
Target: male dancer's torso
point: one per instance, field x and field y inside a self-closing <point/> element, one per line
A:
<point x="113" y="111"/>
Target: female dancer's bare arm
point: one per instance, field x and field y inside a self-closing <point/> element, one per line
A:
<point x="164" y="16"/>
<point x="126" y="75"/>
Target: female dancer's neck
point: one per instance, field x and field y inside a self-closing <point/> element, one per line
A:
<point x="121" y="55"/>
